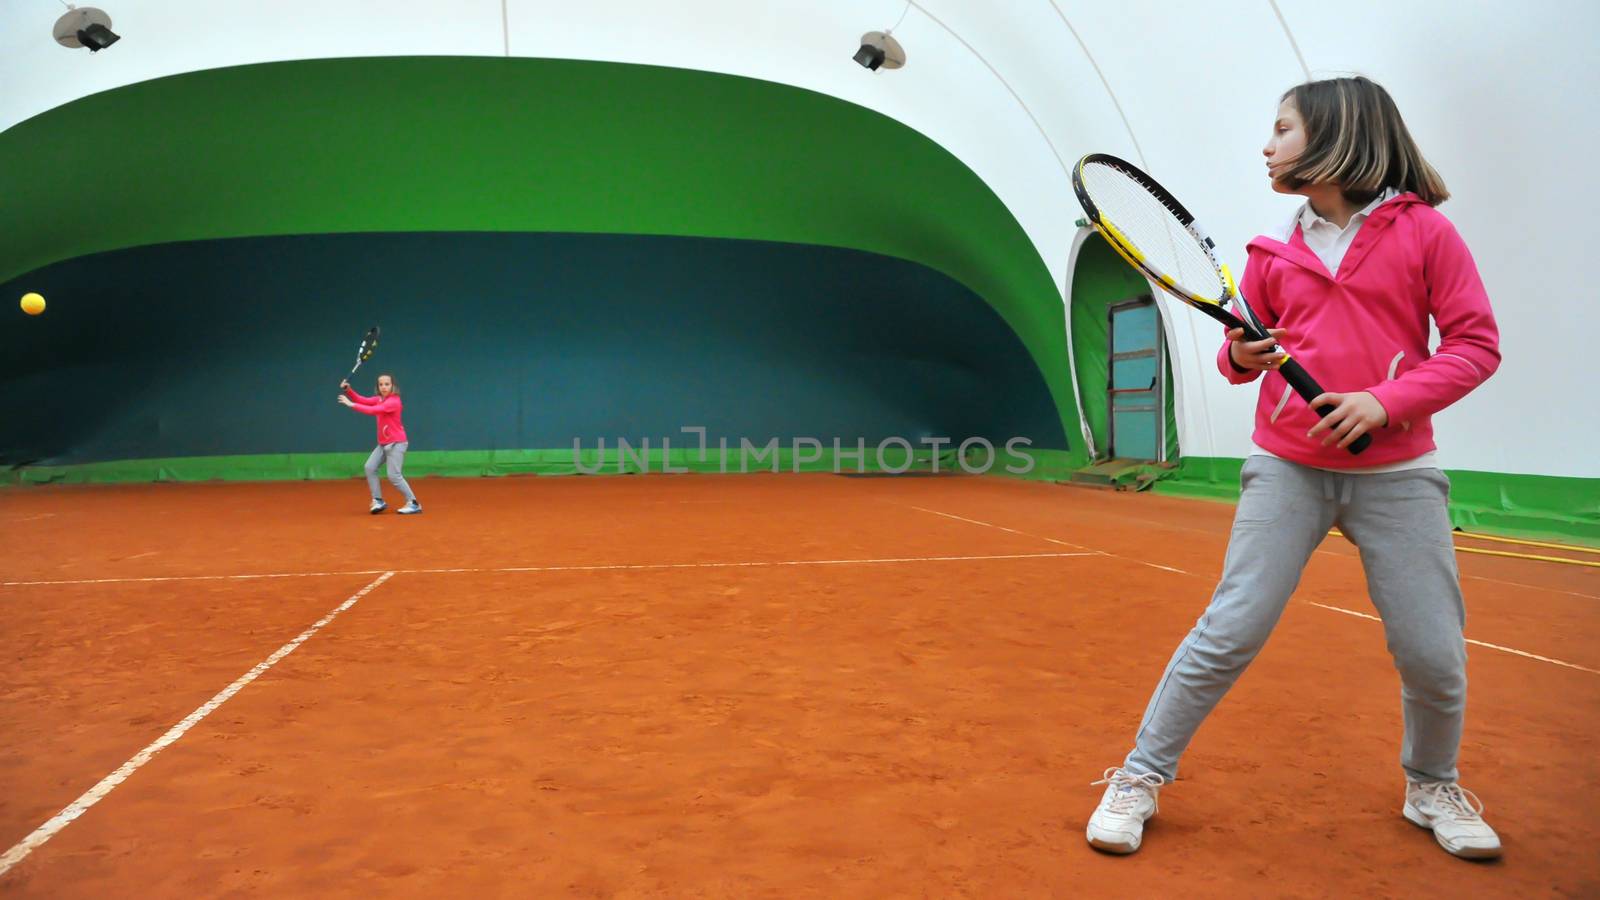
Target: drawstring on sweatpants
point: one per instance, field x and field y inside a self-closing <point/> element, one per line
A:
<point x="1330" y="481"/>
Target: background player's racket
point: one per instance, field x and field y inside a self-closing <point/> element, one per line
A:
<point x="368" y="344"/>
<point x="1150" y="229"/>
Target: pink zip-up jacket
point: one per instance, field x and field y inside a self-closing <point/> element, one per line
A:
<point x="1366" y="329"/>
<point x="387" y="409"/>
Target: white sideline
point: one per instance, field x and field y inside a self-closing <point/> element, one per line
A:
<point x="94" y="795"/>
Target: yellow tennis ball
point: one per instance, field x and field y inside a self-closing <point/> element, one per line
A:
<point x="32" y="304"/>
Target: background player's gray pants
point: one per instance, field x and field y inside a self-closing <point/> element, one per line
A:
<point x="395" y="454"/>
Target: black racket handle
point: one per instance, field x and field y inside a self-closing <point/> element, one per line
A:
<point x="1307" y="387"/>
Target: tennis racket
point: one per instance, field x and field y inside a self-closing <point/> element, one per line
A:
<point x="1150" y="229"/>
<point x="368" y="344"/>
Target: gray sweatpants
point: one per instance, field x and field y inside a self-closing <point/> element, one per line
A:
<point x="1399" y="522"/>
<point x="395" y="454"/>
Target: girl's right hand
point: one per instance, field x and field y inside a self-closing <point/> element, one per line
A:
<point x="1247" y="355"/>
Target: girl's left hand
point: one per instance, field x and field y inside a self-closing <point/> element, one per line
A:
<point x="1353" y="415"/>
<point x="345" y="400"/>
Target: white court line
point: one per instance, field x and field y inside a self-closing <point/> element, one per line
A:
<point x="1534" y="587"/>
<point x="1050" y="539"/>
<point x="97" y="793"/>
<point x="1351" y="554"/>
<point x="1324" y="606"/>
<point x="593" y="568"/>
<point x="796" y="562"/>
<point x="1558" y="662"/>
<point x="192" y="578"/>
<point x="1001" y="527"/>
<point x="1464" y="576"/>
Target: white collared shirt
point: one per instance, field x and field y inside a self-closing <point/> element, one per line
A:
<point x="1327" y="240"/>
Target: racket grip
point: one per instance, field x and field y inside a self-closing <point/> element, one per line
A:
<point x="1307" y="387"/>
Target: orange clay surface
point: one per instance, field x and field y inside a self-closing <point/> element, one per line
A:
<point x="753" y="686"/>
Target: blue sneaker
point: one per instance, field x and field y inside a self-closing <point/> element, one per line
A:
<point x="378" y="506"/>
<point x="410" y="508"/>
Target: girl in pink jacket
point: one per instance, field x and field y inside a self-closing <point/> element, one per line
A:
<point x="1349" y="285"/>
<point x="392" y="442"/>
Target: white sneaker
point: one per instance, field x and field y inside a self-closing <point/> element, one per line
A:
<point x="1117" y="825"/>
<point x="378" y="506"/>
<point x="410" y="509"/>
<point x="1455" y="815"/>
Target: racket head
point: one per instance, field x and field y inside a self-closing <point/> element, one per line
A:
<point x="1157" y="235"/>
<point x="368" y="344"/>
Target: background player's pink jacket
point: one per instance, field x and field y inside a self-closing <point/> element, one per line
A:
<point x="387" y="409"/>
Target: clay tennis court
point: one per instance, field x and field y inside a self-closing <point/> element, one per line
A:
<point x="771" y="685"/>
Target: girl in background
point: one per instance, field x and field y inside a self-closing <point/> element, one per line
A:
<point x="392" y="443"/>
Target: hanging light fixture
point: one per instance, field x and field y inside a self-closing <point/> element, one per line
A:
<point x="86" y="27"/>
<point x="879" y="49"/>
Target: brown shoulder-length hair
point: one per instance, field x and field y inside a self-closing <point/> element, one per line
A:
<point x="1356" y="139"/>
<point x="394" y="386"/>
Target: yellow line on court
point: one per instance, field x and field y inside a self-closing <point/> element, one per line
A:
<point x="1551" y="544"/>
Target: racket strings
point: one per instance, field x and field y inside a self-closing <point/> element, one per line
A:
<point x="1155" y="229"/>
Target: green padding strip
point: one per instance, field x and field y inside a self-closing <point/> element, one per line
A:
<point x="423" y="144"/>
<point x="1537" y="504"/>
<point x="1212" y="477"/>
<point x="1525" y="505"/>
